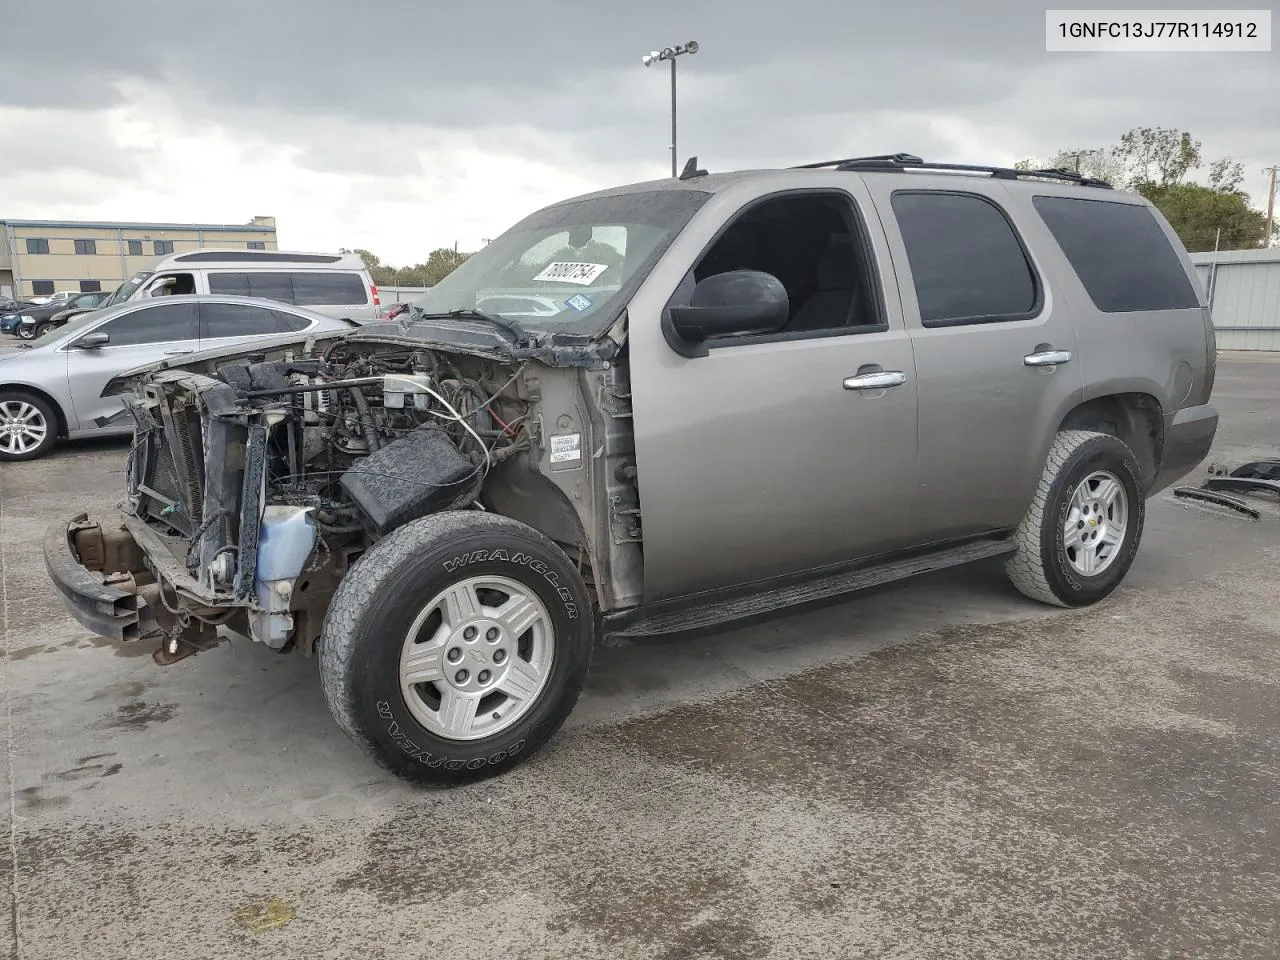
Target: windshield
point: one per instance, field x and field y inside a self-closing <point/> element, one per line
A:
<point x="125" y="290"/>
<point x="569" y="268"/>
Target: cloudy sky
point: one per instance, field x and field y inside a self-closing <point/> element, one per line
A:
<point x="403" y="125"/>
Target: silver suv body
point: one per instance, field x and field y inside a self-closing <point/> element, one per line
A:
<point x="700" y="401"/>
<point x="335" y="284"/>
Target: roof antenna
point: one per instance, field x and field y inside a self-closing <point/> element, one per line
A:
<point x="691" y="170"/>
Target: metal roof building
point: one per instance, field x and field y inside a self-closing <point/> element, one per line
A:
<point x="1244" y="294"/>
<point x="41" y="257"/>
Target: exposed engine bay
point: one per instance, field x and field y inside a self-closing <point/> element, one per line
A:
<point x="253" y="486"/>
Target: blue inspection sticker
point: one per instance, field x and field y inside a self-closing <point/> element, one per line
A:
<point x="577" y="302"/>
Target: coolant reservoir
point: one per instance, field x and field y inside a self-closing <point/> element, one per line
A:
<point x="402" y="390"/>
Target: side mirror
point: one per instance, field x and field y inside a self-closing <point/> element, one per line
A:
<point x="735" y="303"/>
<point x="91" y="341"/>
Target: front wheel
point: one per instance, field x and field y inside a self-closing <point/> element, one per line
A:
<point x="26" y="331"/>
<point x="28" y="426"/>
<point x="456" y="646"/>
<point x="1081" y="534"/>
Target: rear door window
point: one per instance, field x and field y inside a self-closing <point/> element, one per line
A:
<point x="967" y="263"/>
<point x="244" y="320"/>
<point x="155" y="323"/>
<point x="314" y="288"/>
<point x="1120" y="253"/>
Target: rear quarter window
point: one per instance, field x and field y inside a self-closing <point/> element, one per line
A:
<point x="1120" y="253"/>
<point x="328" y="289"/>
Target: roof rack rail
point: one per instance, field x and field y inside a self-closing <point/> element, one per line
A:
<point x="893" y="157"/>
<point x="906" y="161"/>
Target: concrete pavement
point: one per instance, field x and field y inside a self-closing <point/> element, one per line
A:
<point x="940" y="770"/>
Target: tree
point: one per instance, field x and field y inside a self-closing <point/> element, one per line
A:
<point x="1157" y="155"/>
<point x="1197" y="213"/>
<point x="439" y="264"/>
<point x="1097" y="163"/>
<point x="593" y="251"/>
<point x="1156" y="163"/>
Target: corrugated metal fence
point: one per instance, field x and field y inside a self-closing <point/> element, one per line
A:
<point x="1244" y="293"/>
<point x="1243" y="288"/>
<point x="396" y="294"/>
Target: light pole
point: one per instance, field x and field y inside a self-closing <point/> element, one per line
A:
<point x="670" y="53"/>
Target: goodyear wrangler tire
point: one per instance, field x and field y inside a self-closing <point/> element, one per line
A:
<point x="456" y="647"/>
<point x="1081" y="534"/>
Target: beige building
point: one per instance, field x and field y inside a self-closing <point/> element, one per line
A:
<point x="41" y="257"/>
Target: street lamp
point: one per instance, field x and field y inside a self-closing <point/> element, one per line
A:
<point x="670" y="53"/>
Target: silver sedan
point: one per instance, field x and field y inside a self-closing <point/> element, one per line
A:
<point x="51" y="388"/>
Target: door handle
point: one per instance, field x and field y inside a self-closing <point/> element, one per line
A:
<point x="175" y="353"/>
<point x="876" y="381"/>
<point x="1047" y="358"/>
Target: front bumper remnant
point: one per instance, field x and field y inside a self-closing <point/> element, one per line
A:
<point x="102" y="578"/>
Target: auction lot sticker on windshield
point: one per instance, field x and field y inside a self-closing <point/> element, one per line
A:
<point x="580" y="273"/>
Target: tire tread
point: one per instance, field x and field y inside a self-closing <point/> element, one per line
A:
<point x="1026" y="568"/>
<point x="338" y="647"/>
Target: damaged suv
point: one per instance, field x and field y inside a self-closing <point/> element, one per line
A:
<point x="654" y="410"/>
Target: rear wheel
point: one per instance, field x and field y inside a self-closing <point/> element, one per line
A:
<point x="1082" y="532"/>
<point x="28" y="426"/>
<point x="456" y="647"/>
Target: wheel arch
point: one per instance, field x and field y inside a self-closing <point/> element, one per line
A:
<point x="44" y="395"/>
<point x="1135" y="417"/>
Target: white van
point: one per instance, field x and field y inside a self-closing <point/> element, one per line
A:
<point x="335" y="284"/>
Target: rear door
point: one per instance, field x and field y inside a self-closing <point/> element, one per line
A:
<point x="155" y="330"/>
<point x="996" y="352"/>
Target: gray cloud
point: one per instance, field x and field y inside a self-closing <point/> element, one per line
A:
<point x="369" y="93"/>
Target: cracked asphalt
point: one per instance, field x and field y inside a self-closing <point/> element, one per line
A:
<point x="943" y="769"/>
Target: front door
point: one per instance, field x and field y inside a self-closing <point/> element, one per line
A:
<point x="996" y="351"/>
<point x="769" y="456"/>
<point x="155" y="330"/>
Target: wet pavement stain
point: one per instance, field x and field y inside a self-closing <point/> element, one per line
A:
<point x="125" y="690"/>
<point x="87" y="771"/>
<point x="33" y="798"/>
<point x="139" y="715"/>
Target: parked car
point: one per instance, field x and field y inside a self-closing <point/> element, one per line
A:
<point x="36" y="321"/>
<point x="11" y="306"/>
<point x="51" y="388"/>
<point x="60" y="297"/>
<point x="335" y="284"/>
<point x="788" y="386"/>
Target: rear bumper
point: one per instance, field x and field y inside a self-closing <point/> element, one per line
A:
<point x="1188" y="436"/>
<point x="107" y="604"/>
